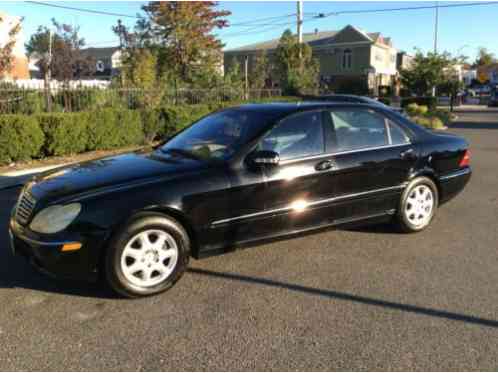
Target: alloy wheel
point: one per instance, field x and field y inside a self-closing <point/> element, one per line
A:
<point x="149" y="258"/>
<point x="419" y="205"/>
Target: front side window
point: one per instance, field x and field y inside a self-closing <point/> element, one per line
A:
<point x="300" y="135"/>
<point x="219" y="135"/>
<point x="356" y="129"/>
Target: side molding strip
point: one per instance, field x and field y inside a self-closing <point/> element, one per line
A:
<point x="310" y="204"/>
<point x="455" y="174"/>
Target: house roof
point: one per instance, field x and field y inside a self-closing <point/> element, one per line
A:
<point x="311" y="37"/>
<point x="273" y="43"/>
<point x="99" y="53"/>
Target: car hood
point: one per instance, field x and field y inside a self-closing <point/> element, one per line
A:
<point x="122" y="170"/>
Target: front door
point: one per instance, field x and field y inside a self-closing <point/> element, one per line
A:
<point x="295" y="187"/>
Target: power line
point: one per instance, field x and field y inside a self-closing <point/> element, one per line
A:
<point x="254" y="22"/>
<point x="323" y="15"/>
<point x="104" y="13"/>
<point x="259" y="30"/>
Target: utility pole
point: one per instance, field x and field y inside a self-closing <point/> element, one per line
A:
<point x="300" y="21"/>
<point x="246" y="61"/>
<point x="436" y="21"/>
<point x="48" y="74"/>
<point x="300" y="25"/>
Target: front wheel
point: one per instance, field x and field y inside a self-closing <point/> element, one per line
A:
<point x="418" y="205"/>
<point x="148" y="256"/>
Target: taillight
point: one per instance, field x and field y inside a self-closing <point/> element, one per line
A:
<point x="465" y="160"/>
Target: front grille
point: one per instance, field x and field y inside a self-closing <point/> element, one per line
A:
<point x="25" y="207"/>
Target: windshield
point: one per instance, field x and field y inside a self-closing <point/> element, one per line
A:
<point x="219" y="135"/>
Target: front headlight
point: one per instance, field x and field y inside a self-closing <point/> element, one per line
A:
<point x="53" y="219"/>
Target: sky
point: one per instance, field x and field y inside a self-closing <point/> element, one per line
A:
<point x="461" y="30"/>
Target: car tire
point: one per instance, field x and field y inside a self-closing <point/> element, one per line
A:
<point x="418" y="205"/>
<point x="148" y="256"/>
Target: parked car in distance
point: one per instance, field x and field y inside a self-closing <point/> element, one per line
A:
<point x="493" y="99"/>
<point x="236" y="177"/>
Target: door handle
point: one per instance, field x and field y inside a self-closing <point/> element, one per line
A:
<point x="325" y="165"/>
<point x="407" y="154"/>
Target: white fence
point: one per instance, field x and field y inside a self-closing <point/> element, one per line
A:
<point x="38" y="84"/>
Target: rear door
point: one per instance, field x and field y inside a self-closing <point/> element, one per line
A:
<point x="372" y="159"/>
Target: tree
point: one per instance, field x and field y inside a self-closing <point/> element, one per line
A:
<point x="6" y="50"/>
<point x="297" y="69"/>
<point x="234" y="80"/>
<point x="260" y="73"/>
<point x="59" y="56"/>
<point x="426" y="72"/>
<point x="68" y="61"/>
<point x="183" y="33"/>
<point x="484" y="58"/>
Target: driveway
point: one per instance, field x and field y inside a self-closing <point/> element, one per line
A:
<point x="369" y="299"/>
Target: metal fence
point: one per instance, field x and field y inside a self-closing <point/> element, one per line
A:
<point x="30" y="101"/>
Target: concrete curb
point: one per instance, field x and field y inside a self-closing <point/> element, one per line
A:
<point x="19" y="178"/>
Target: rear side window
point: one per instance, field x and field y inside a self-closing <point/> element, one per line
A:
<point x="298" y="136"/>
<point x="357" y="129"/>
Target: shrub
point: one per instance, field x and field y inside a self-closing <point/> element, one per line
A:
<point x="110" y="128"/>
<point x="20" y="138"/>
<point x="411" y="109"/>
<point x="385" y="100"/>
<point x="430" y="102"/>
<point x="415" y="110"/>
<point x="65" y="133"/>
<point x="177" y="118"/>
<point x="152" y="124"/>
<point x="431" y="122"/>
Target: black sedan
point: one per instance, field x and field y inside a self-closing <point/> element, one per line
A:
<point x="235" y="178"/>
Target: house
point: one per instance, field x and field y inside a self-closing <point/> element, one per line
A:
<point x="107" y="61"/>
<point x="348" y="58"/>
<point x="404" y="61"/>
<point x="488" y="74"/>
<point x="19" y="68"/>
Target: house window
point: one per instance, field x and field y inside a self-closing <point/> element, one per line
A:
<point x="347" y="59"/>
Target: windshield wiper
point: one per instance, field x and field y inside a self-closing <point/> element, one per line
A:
<point x="181" y="152"/>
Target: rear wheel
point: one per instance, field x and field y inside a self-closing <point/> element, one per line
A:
<point x="418" y="205"/>
<point x="148" y="256"/>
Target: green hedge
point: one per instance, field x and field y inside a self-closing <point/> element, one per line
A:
<point x="25" y="137"/>
<point x="21" y="138"/>
<point x="385" y="100"/>
<point x="109" y="129"/>
<point x="65" y="133"/>
<point x="430" y="102"/>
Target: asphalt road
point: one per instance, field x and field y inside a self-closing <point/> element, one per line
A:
<point x="369" y="299"/>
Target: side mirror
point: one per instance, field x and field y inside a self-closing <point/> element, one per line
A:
<point x="264" y="157"/>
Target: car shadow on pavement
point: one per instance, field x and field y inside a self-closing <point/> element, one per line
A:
<point x="384" y="228"/>
<point x="16" y="272"/>
<point x="347" y="297"/>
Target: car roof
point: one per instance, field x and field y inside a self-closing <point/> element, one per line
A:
<point x="284" y="108"/>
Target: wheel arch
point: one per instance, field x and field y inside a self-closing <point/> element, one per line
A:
<point x="431" y="174"/>
<point x="163" y="211"/>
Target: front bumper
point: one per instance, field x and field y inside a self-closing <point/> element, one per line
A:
<point x="46" y="254"/>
